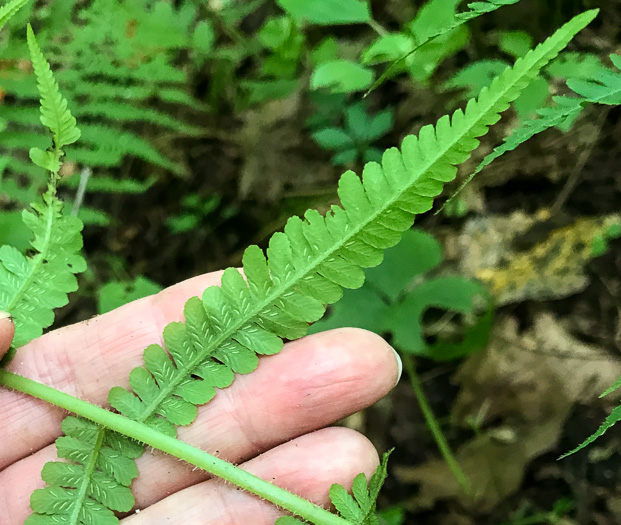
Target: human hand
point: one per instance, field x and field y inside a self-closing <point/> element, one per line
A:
<point x="270" y="421"/>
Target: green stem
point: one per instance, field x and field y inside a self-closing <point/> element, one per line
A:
<point x="434" y="427"/>
<point x="377" y="27"/>
<point x="174" y="447"/>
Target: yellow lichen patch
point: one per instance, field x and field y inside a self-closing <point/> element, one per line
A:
<point x="553" y="267"/>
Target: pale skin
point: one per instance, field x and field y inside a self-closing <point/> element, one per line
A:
<point x="272" y="422"/>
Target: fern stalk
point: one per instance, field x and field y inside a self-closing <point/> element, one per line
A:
<point x="174" y="447"/>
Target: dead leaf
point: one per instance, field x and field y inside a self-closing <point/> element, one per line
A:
<point x="525" y="384"/>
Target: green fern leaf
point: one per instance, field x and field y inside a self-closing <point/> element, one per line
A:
<point x="360" y="508"/>
<point x="604" y="89"/>
<point x="55" y="114"/>
<point x="613" y="418"/>
<point x="94" y="482"/>
<point x="32" y="287"/>
<point x="476" y="9"/>
<point x="8" y="10"/>
<point x="615" y="386"/>
<point x="306" y="268"/>
<point x="315" y="257"/>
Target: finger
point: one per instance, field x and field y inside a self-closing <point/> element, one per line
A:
<point x="313" y="382"/>
<point x="86" y="360"/>
<point x="307" y="466"/>
<point x="7" y="332"/>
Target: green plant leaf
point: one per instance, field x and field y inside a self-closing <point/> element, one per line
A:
<point x="416" y="254"/>
<point x="328" y="12"/>
<point x="117" y="293"/>
<point x="341" y="76"/>
<point x="456" y="294"/>
<point x="332" y="138"/>
<point x="45" y="159"/>
<point x="309" y="264"/>
<point x="32" y="287"/>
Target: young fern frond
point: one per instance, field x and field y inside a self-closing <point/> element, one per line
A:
<point x="55" y="114"/>
<point x="8" y="10"/>
<point x="306" y="268"/>
<point x="605" y="88"/>
<point x="32" y="287"/>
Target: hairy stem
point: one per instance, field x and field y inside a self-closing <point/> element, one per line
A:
<point x="433" y="425"/>
<point x="174" y="447"/>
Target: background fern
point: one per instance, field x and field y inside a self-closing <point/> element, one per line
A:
<point x="116" y="62"/>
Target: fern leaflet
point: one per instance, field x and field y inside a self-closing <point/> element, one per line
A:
<point x="8" y="10"/>
<point x="95" y="483"/>
<point x="307" y="266"/>
<point x="315" y="258"/>
<point x="359" y="507"/>
<point x="55" y="114"/>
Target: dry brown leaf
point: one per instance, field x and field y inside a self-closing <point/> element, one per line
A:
<point x="528" y="384"/>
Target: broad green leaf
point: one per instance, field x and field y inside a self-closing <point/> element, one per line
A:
<point x="341" y="76"/>
<point x="328" y="12"/>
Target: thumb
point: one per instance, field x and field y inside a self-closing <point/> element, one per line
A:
<point x="7" y="331"/>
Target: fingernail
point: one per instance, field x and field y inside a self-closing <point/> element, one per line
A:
<point x="6" y="315"/>
<point x="399" y="364"/>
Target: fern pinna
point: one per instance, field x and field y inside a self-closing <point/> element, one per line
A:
<point x="276" y="298"/>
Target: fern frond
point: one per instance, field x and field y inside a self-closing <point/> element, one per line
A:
<point x="605" y="88"/>
<point x="358" y="508"/>
<point x="32" y="287"/>
<point x="93" y="483"/>
<point x="125" y="112"/>
<point x="306" y="268"/>
<point x="55" y="114"/>
<point x="476" y="9"/>
<point x="315" y="257"/>
<point x="118" y="142"/>
<point x="482" y="7"/>
<point x="8" y="10"/>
